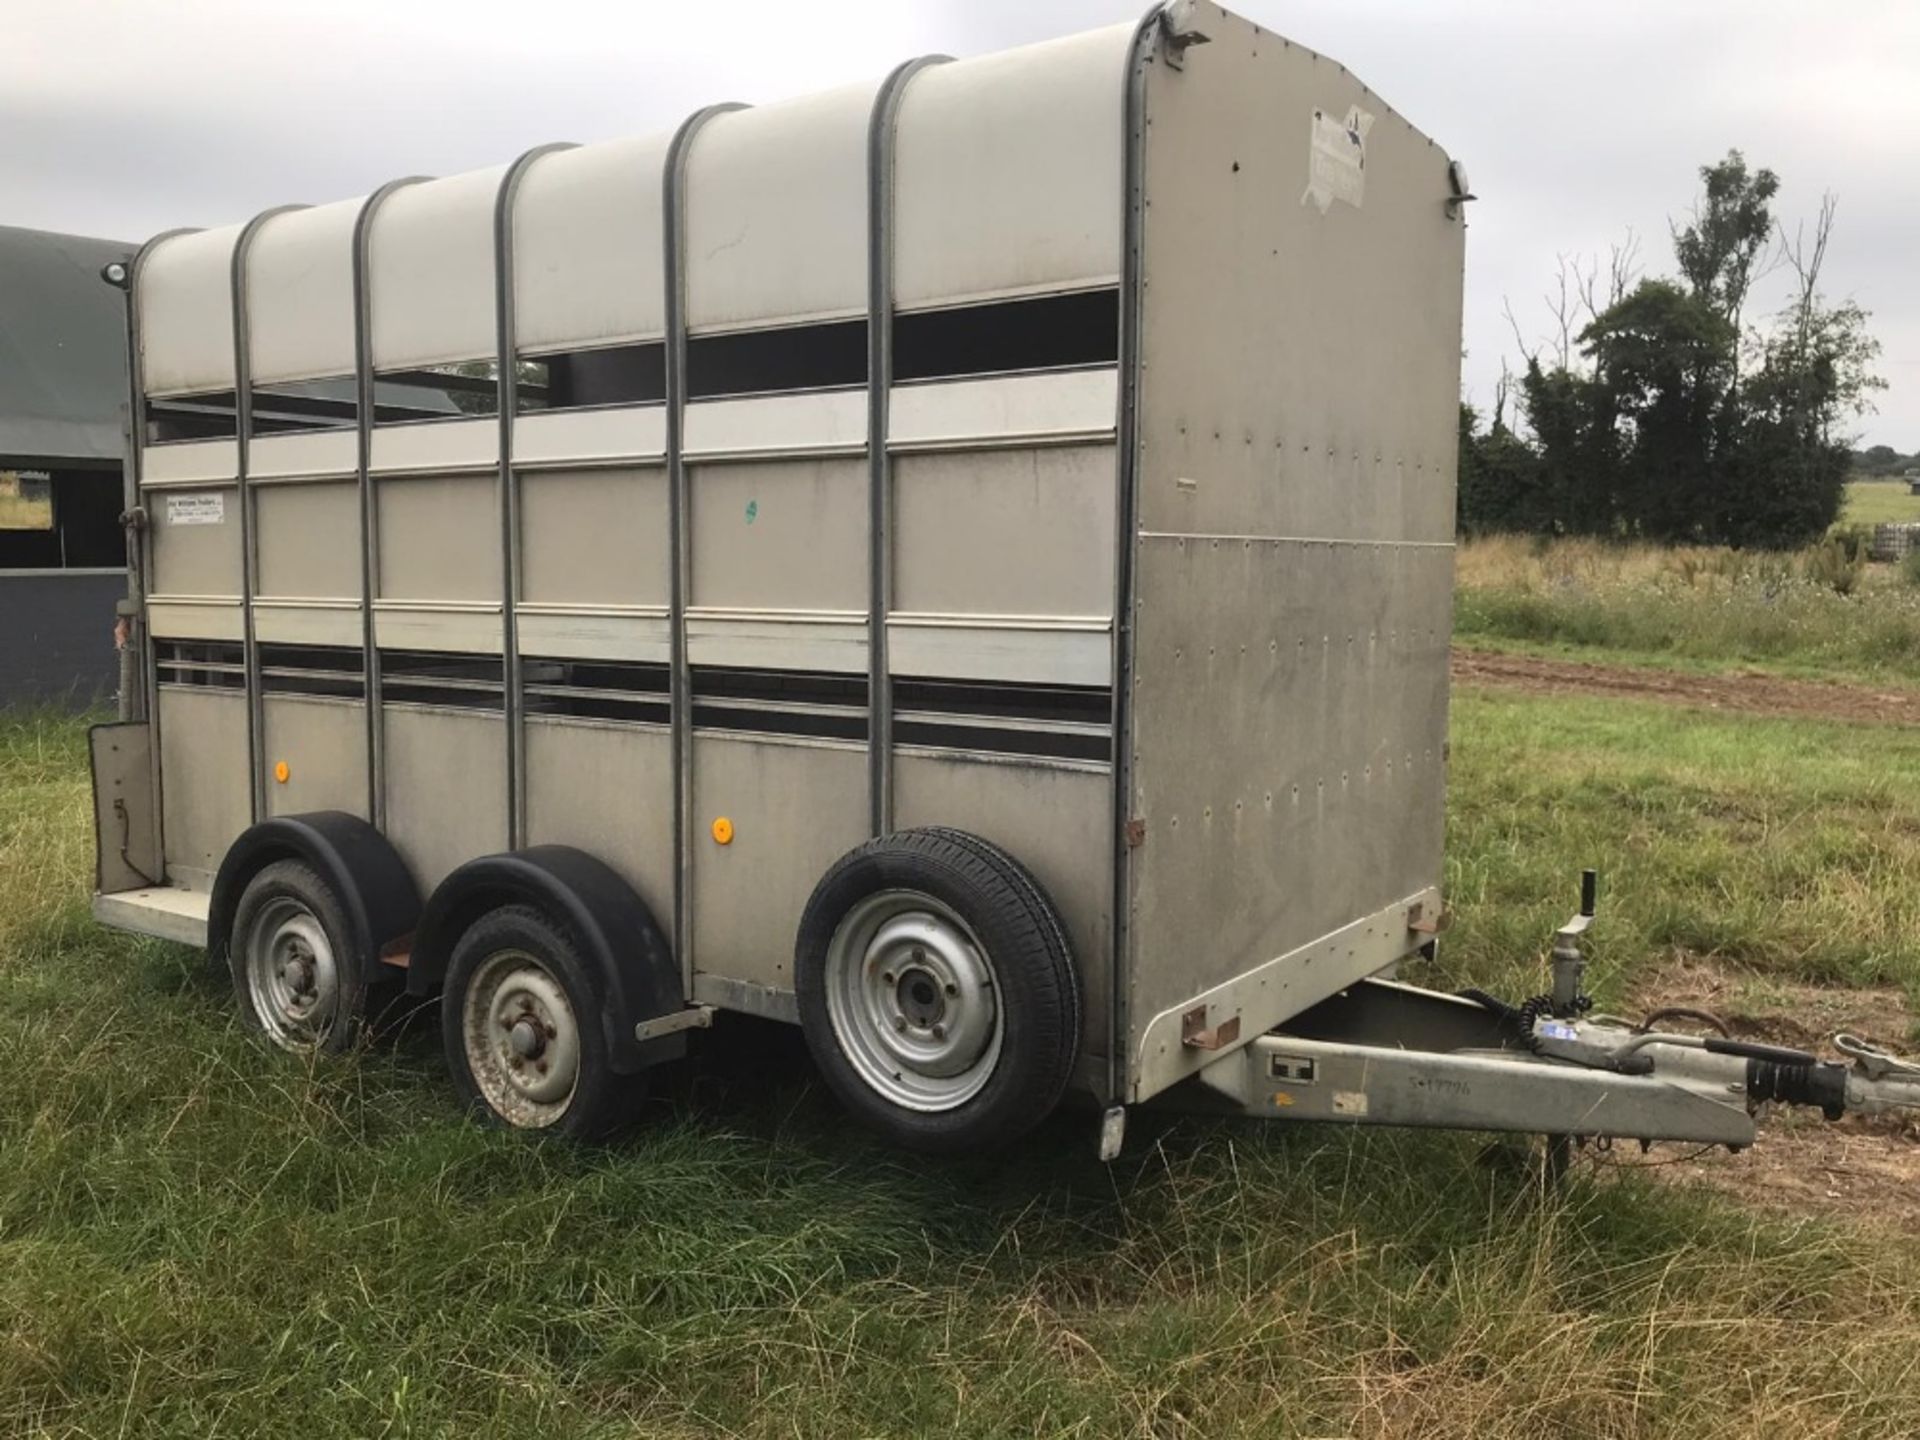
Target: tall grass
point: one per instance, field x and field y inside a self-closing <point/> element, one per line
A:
<point x="1705" y="606"/>
<point x="199" y="1237"/>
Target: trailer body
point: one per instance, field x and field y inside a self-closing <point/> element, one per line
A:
<point x="1057" y="446"/>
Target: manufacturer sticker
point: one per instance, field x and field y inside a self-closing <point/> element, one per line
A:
<point x="196" y="509"/>
<point x="1337" y="158"/>
<point x="1350" y="1102"/>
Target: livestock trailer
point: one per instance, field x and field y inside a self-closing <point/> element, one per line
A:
<point x="961" y="563"/>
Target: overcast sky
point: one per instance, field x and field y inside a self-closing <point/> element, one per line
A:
<point x="1576" y="120"/>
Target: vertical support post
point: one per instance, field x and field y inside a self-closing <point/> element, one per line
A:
<point x="249" y="553"/>
<point x="679" y="522"/>
<point x="880" y="128"/>
<point x="140" y="536"/>
<point x="508" y="492"/>
<point x="1133" y="132"/>
<point x="129" y="613"/>
<point x="369" y="503"/>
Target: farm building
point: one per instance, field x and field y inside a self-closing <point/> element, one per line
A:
<point x="62" y="390"/>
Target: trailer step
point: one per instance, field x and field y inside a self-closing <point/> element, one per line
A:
<point x="162" y="911"/>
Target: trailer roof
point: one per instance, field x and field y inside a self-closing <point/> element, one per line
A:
<point x="62" y="347"/>
<point x="1005" y="184"/>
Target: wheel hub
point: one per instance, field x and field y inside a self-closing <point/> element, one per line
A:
<point x="522" y="1039"/>
<point x="911" y="995"/>
<point x="527" y="1038"/>
<point x="292" y="978"/>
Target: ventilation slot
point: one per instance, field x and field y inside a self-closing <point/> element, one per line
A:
<point x="451" y="682"/>
<point x="631" y="693"/>
<point x="217" y="664"/>
<point x="1050" y="332"/>
<point x="758" y="362"/>
<point x="207" y="416"/>
<point x="1057" y="722"/>
<point x="326" y="670"/>
<point x="584" y="379"/>
<point x="781" y="702"/>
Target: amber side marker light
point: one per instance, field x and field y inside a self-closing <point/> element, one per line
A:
<point x="280" y="771"/>
<point x="723" y="831"/>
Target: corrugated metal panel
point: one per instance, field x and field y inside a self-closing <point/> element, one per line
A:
<point x="63" y="348"/>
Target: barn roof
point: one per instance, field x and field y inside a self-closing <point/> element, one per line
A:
<point x="62" y="347"/>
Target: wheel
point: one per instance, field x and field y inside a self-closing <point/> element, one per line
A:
<point x="520" y="1019"/>
<point x="937" y="992"/>
<point x="295" y="973"/>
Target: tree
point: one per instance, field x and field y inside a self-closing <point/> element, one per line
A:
<point x="1639" y="423"/>
<point x="1732" y="222"/>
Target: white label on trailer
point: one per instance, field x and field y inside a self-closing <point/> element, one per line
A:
<point x="1350" y="1102"/>
<point x="1337" y="158"/>
<point x="197" y="509"/>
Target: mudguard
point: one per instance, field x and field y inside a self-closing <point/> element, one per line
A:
<point x="617" y="935"/>
<point x="358" y="863"/>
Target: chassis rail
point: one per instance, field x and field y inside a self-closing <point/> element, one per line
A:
<point x="1385" y="1053"/>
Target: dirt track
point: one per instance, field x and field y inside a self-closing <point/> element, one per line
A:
<point x="1863" y="1167"/>
<point x="1754" y="694"/>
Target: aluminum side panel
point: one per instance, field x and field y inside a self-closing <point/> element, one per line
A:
<point x="609" y="791"/>
<point x="439" y="538"/>
<point x="445" y="802"/>
<point x="1056" y="822"/>
<point x="306" y="539"/>
<point x="1293" y="575"/>
<point x="778" y="535"/>
<point x="185" y="297"/>
<point x="594" y="537"/>
<point x="323" y="743"/>
<point x="203" y="764"/>
<point x="300" y="295"/>
<point x="795" y="809"/>
<point x="1025" y="531"/>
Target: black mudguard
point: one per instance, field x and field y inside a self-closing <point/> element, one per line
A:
<point x="358" y="863"/>
<point x="615" y="931"/>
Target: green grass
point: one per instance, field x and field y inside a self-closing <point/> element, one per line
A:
<point x="1874" y="502"/>
<point x="1700" y="609"/>
<point x="198" y="1237"/>
<point x="1787" y="847"/>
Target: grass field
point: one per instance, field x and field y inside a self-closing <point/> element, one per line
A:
<point x="201" y="1238"/>
<point x="1698" y="608"/>
<point x="1873" y="502"/>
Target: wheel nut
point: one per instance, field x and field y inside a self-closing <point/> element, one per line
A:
<point x="899" y="1022"/>
<point x="939" y="1032"/>
<point x="952" y="989"/>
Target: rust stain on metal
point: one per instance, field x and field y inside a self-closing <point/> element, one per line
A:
<point x="1196" y="1034"/>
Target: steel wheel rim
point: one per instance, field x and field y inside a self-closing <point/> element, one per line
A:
<point x="522" y="1039"/>
<point x="913" y="1001"/>
<point x="293" y="977"/>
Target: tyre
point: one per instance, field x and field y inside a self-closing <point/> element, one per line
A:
<point x="296" y="975"/>
<point x="937" y="992"/>
<point x="520" y="1018"/>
